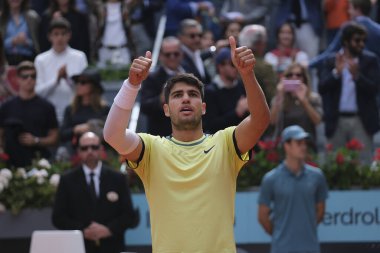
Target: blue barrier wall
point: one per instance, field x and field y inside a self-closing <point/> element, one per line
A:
<point x="351" y="216"/>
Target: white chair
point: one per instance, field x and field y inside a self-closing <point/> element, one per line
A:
<point x="57" y="241"/>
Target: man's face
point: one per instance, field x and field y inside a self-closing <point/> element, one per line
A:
<point x="171" y="55"/>
<point x="233" y="29"/>
<point x="59" y="38"/>
<point x="185" y="107"/>
<point x="285" y="36"/>
<point x="227" y="70"/>
<point x="14" y="3"/>
<point x="296" y="149"/>
<point x="356" y="44"/>
<point x="83" y="86"/>
<point x="191" y="38"/>
<point x="27" y="80"/>
<point x="89" y="149"/>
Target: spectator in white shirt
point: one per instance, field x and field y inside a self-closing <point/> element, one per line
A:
<point x="56" y="66"/>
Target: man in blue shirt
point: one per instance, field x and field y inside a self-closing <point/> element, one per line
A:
<point x="292" y="198"/>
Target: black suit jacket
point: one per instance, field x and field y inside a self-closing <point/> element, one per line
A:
<point x="367" y="85"/>
<point x="74" y="209"/>
<point x="221" y="107"/>
<point x="190" y="67"/>
<point x="158" y="123"/>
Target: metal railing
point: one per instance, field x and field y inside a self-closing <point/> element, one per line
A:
<point x="155" y="53"/>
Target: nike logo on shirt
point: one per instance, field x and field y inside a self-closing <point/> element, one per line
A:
<point x="208" y="150"/>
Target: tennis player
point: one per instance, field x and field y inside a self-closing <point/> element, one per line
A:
<point x="189" y="177"/>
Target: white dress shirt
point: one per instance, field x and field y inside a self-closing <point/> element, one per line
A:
<point x="96" y="171"/>
<point x="47" y="65"/>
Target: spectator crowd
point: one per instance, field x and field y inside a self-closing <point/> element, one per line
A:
<point x="316" y="62"/>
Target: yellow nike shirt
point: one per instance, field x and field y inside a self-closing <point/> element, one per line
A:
<point x="190" y="188"/>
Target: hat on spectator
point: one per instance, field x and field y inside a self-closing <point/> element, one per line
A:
<point x="92" y="75"/>
<point x="25" y="65"/>
<point x="293" y="132"/>
<point x="222" y="55"/>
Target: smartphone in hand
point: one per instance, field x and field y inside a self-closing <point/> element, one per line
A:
<point x="291" y="85"/>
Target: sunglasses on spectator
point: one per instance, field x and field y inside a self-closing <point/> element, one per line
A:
<point x="227" y="63"/>
<point x="193" y="35"/>
<point x="26" y="76"/>
<point x="87" y="147"/>
<point x="358" y="40"/>
<point x="171" y="54"/>
<point x="82" y="82"/>
<point x="293" y="74"/>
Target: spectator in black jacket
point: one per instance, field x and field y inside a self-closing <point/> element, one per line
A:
<point x="95" y="199"/>
<point x="225" y="96"/>
<point x="152" y="97"/>
<point x="349" y="86"/>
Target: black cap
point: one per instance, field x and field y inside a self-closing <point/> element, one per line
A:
<point x="92" y="74"/>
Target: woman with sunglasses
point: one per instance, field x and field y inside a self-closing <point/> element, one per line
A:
<point x="295" y="103"/>
<point x="88" y="110"/>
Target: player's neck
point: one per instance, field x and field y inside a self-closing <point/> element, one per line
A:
<point x="187" y="135"/>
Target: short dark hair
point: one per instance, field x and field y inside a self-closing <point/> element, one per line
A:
<point x="188" y="23"/>
<point x="25" y="65"/>
<point x="363" y="5"/>
<point x="187" y="78"/>
<point x="350" y="29"/>
<point x="60" y="23"/>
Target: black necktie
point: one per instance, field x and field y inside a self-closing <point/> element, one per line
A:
<point x="296" y="8"/>
<point x="92" y="187"/>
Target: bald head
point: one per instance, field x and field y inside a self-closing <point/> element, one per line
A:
<point x="89" y="149"/>
<point x="89" y="135"/>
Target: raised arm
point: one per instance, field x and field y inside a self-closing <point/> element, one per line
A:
<point x="248" y="132"/>
<point x="124" y="141"/>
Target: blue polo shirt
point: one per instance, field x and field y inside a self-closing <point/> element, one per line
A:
<point x="292" y="199"/>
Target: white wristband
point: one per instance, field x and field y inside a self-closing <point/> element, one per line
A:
<point x="125" y="98"/>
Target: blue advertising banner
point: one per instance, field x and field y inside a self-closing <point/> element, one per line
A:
<point x="351" y="216"/>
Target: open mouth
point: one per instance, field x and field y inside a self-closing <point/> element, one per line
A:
<point x="186" y="110"/>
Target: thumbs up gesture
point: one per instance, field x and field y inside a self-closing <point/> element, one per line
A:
<point x="140" y="69"/>
<point x="242" y="57"/>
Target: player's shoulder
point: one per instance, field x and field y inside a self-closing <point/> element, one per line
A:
<point x="274" y="173"/>
<point x="150" y="139"/>
<point x="227" y="132"/>
<point x="313" y="170"/>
